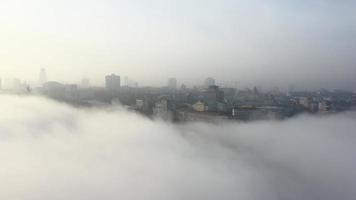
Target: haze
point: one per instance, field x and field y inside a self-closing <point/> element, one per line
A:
<point x="52" y="151"/>
<point x="273" y="43"/>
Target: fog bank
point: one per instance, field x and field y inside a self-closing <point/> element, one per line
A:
<point x="53" y="151"/>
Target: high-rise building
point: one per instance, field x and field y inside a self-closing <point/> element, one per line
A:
<point x="43" y="77"/>
<point x="16" y="84"/>
<point x="291" y="88"/>
<point x="85" y="83"/>
<point x="209" y="82"/>
<point x="172" y="83"/>
<point x="126" y="81"/>
<point x="112" y="82"/>
<point x="130" y="83"/>
<point x="213" y="93"/>
<point x="353" y="98"/>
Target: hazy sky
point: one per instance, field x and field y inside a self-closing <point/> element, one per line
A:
<point x="253" y="41"/>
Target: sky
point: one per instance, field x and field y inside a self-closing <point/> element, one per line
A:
<point x="50" y="150"/>
<point x="310" y="44"/>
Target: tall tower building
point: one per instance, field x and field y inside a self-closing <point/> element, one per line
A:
<point x="209" y="82"/>
<point x="126" y="81"/>
<point x="112" y="82"/>
<point x="43" y="76"/>
<point x="172" y="83"/>
<point x="85" y="83"/>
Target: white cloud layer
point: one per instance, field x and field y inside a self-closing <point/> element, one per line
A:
<point x="53" y="151"/>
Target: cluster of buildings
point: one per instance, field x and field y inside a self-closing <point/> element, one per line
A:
<point x="208" y="102"/>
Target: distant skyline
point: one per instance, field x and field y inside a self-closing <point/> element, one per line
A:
<point x="265" y="43"/>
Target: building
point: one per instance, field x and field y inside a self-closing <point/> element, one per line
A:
<point x="353" y="98"/>
<point x="323" y="106"/>
<point x="140" y="104"/>
<point x="172" y="83"/>
<point x="199" y="106"/>
<point x="229" y="93"/>
<point x="55" y="90"/>
<point x="213" y="93"/>
<point x="43" y="77"/>
<point x="214" y="99"/>
<point x="85" y="83"/>
<point x="200" y="116"/>
<point x="291" y="89"/>
<point x="209" y="82"/>
<point x="304" y="102"/>
<point x="160" y="109"/>
<point x="16" y="84"/>
<point x="130" y="83"/>
<point x="126" y="81"/>
<point x="112" y="82"/>
<point x="71" y="92"/>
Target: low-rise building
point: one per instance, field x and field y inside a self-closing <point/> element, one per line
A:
<point x="199" y="106"/>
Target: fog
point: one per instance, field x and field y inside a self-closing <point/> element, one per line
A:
<point x="53" y="151"/>
<point x="255" y="42"/>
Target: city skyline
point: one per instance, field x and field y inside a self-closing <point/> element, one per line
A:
<point x="308" y="44"/>
<point x="177" y="99"/>
<point x="7" y="82"/>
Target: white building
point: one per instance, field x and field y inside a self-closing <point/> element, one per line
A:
<point x="209" y="82"/>
<point x="199" y="106"/>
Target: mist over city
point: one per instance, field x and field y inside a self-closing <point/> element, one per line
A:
<point x="138" y="99"/>
<point x="54" y="151"/>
